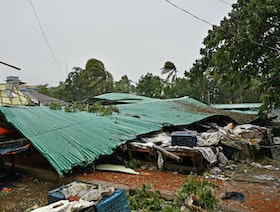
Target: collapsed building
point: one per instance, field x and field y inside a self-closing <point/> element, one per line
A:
<point x="178" y="134"/>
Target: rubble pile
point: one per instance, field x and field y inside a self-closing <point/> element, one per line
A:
<point x="218" y="145"/>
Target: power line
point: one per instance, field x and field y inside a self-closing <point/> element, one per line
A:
<point x="196" y="17"/>
<point x="200" y="19"/>
<point x="46" y="39"/>
<point x="225" y="2"/>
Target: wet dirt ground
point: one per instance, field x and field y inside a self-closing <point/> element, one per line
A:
<point x="260" y="194"/>
<point x="260" y="187"/>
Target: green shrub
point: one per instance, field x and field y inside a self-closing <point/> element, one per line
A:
<point x="55" y="106"/>
<point x="146" y="200"/>
<point x="74" y="107"/>
<point x="133" y="164"/>
<point x="102" y="110"/>
<point x="202" y="188"/>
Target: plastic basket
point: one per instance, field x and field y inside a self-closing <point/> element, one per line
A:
<point x="117" y="202"/>
<point x="55" y="195"/>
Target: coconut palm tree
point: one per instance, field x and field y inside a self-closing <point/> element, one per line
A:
<point x="170" y="69"/>
<point x="101" y="80"/>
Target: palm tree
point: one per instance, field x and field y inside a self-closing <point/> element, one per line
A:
<point x="101" y="80"/>
<point x="170" y="69"/>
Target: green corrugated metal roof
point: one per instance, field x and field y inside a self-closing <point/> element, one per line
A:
<point x="167" y="112"/>
<point x="70" y="139"/>
<point x="238" y="106"/>
<point x="253" y="112"/>
<point x="124" y="97"/>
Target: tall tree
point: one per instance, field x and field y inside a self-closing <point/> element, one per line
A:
<point x="101" y="80"/>
<point x="76" y="87"/>
<point x="245" y="46"/>
<point x="150" y="86"/>
<point x="170" y="69"/>
<point x="82" y="84"/>
<point x="123" y="86"/>
<point x="180" y="88"/>
<point x="43" y="89"/>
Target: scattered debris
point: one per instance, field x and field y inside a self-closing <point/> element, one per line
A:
<point x="116" y="168"/>
<point x="216" y="146"/>
<point x="218" y="177"/>
<point x="233" y="195"/>
<point x="197" y="195"/>
<point x="192" y="201"/>
<point x="258" y="165"/>
<point x="216" y="171"/>
<point x="65" y="205"/>
<point x="85" y="191"/>
<point x="264" y="177"/>
<point x="80" y="196"/>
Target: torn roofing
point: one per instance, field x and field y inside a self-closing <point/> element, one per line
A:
<point x="71" y="139"/>
<point x="123" y="98"/>
<point x="12" y="96"/>
<point x="43" y="99"/>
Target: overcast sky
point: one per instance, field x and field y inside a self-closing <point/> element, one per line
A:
<point x="130" y="37"/>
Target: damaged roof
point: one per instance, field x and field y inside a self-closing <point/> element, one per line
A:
<point x="67" y="140"/>
<point x="123" y="98"/>
<point x="42" y="99"/>
<point x="12" y="96"/>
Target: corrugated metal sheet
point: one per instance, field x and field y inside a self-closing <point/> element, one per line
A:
<point x="42" y="99"/>
<point x="70" y="139"/>
<point x="238" y="106"/>
<point x="167" y="112"/>
<point x="124" y="98"/>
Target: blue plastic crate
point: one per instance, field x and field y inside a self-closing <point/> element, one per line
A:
<point x="55" y="195"/>
<point x="117" y="202"/>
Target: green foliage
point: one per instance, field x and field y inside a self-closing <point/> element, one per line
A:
<point x="95" y="108"/>
<point x="243" y="52"/>
<point x="82" y="84"/>
<point x="150" y="86"/>
<point x="74" y="107"/>
<point x="99" y="79"/>
<point x="133" y="164"/>
<point x="264" y="160"/>
<point x="123" y="86"/>
<point x="170" y="69"/>
<point x="202" y="188"/>
<point x="76" y="87"/>
<point x="43" y="89"/>
<point x="55" y="106"/>
<point x="181" y="87"/>
<point x="59" y="92"/>
<point x="103" y="110"/>
<point x="146" y="200"/>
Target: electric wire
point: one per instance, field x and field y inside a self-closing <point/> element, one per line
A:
<point x="202" y="20"/>
<point x="46" y="39"/>
<point x="196" y="17"/>
<point x="225" y="2"/>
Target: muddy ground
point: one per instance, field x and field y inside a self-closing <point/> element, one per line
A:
<point x="261" y="187"/>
